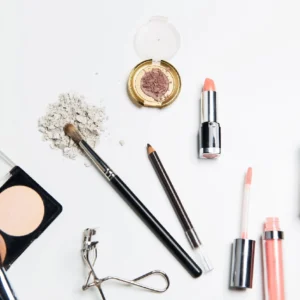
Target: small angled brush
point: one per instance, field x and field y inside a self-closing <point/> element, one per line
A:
<point x="135" y="203"/>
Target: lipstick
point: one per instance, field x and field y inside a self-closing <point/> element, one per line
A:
<point x="210" y="129"/>
<point x="273" y="260"/>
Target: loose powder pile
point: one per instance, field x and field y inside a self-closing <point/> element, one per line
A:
<point x="71" y="108"/>
<point x="155" y="84"/>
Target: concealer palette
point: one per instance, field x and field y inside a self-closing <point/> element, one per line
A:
<point x="26" y="210"/>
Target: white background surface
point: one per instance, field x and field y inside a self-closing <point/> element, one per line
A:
<point x="252" y="52"/>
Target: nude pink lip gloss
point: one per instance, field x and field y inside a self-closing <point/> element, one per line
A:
<point x="273" y="260"/>
<point x="243" y="249"/>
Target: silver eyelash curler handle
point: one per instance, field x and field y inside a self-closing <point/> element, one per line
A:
<point x="89" y="254"/>
<point x="98" y="282"/>
<point x="135" y="281"/>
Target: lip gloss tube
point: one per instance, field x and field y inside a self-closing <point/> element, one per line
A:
<point x="273" y="260"/>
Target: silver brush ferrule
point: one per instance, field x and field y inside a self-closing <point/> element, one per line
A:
<point x="210" y="129"/>
<point x="98" y="162"/>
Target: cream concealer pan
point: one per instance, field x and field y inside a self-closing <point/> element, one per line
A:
<point x="21" y="212"/>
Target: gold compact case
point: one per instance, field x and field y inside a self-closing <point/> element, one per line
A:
<point x="155" y="82"/>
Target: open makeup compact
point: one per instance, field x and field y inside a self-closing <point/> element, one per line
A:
<point x="26" y="210"/>
<point x="155" y="82"/>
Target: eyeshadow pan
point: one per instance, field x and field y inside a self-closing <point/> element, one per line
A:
<point x="154" y="82"/>
<point x="2" y="249"/>
<point x="154" y="85"/>
<point x="21" y="210"/>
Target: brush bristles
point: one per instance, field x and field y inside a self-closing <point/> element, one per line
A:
<point x="71" y="131"/>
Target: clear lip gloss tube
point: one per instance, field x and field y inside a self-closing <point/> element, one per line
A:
<point x="273" y="260"/>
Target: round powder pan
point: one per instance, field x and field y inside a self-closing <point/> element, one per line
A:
<point x="155" y="82"/>
<point x="21" y="212"/>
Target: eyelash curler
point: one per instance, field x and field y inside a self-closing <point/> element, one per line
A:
<point x="90" y="254"/>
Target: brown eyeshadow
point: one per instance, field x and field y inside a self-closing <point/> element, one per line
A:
<point x="2" y="249"/>
<point x="21" y="210"/>
<point x="155" y="84"/>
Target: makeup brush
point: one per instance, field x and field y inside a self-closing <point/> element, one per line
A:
<point x="135" y="203"/>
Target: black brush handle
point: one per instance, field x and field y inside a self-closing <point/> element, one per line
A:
<point x="156" y="227"/>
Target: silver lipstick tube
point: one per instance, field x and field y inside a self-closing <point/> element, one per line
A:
<point x="210" y="129"/>
<point x="6" y="291"/>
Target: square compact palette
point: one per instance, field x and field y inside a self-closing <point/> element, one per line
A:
<point x="26" y="210"/>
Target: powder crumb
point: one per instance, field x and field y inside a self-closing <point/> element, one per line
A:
<point x="122" y="143"/>
<point x="87" y="163"/>
<point x="155" y="84"/>
<point x="72" y="108"/>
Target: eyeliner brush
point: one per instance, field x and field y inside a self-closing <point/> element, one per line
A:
<point x="132" y="200"/>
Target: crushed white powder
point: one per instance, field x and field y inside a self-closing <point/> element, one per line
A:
<point x="122" y="142"/>
<point x="72" y="108"/>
